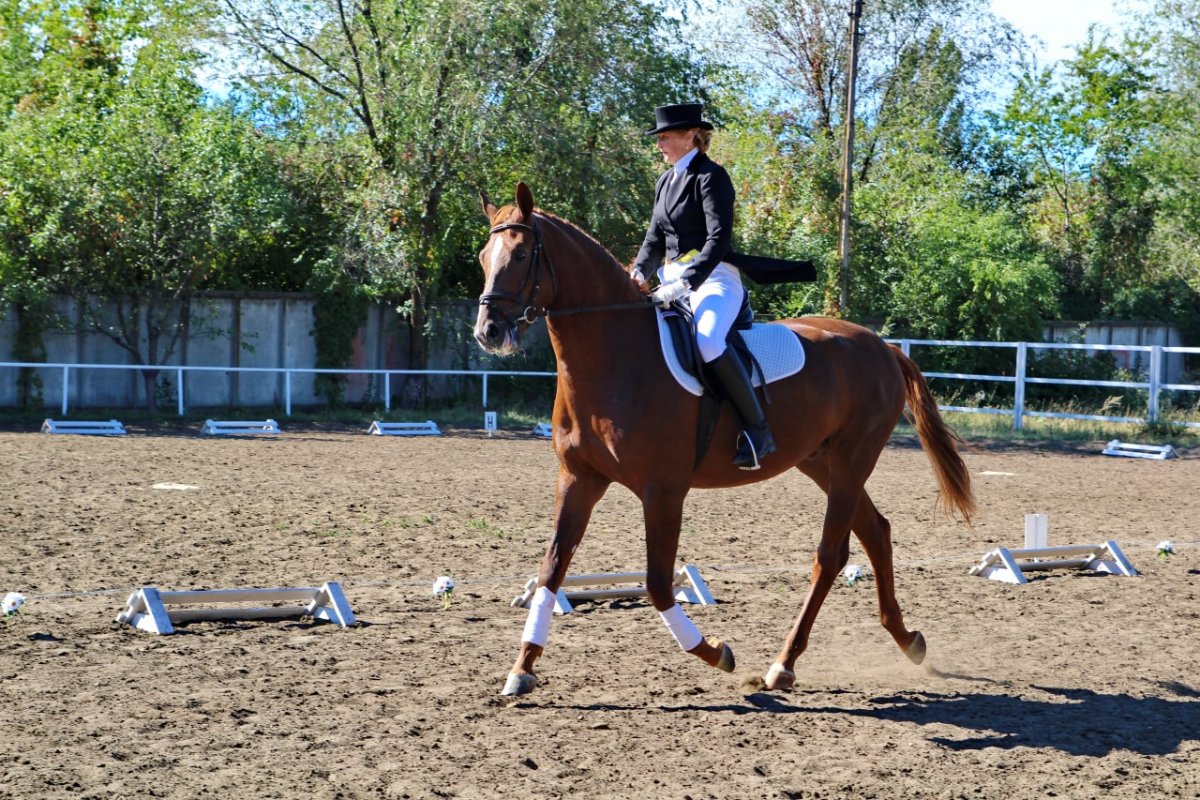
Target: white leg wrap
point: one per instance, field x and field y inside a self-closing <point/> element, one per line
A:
<point x="685" y="632"/>
<point x="541" y="611"/>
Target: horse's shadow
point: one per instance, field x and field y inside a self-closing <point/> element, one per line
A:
<point x="1080" y="722"/>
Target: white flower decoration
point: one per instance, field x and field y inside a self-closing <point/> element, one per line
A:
<point x="853" y="574"/>
<point x="1165" y="549"/>
<point x="12" y="603"/>
<point x="443" y="587"/>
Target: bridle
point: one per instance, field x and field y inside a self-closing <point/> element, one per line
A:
<point x="532" y="312"/>
<point x="528" y="300"/>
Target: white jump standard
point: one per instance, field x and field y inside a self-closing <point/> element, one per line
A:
<point x="148" y="609"/>
<point x="1010" y="566"/>
<point x="84" y="427"/>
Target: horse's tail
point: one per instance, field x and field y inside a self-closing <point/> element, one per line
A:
<point x="938" y="440"/>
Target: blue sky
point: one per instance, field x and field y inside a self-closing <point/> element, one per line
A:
<point x="1060" y="24"/>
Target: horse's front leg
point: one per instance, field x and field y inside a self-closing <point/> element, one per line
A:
<point x="663" y="512"/>
<point x="576" y="496"/>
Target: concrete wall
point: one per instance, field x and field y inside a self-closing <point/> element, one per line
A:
<point x="1125" y="333"/>
<point x="275" y="330"/>
<point x="261" y="330"/>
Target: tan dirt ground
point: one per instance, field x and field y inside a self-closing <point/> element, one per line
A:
<point x="1075" y="686"/>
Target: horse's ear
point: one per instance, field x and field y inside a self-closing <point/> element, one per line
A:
<point x="524" y="199"/>
<point x="489" y="207"/>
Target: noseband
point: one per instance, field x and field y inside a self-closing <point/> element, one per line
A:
<point x="533" y="276"/>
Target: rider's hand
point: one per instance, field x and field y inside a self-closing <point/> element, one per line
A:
<point x="639" y="280"/>
<point x="670" y="292"/>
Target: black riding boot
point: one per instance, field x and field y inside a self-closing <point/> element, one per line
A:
<point x="756" y="441"/>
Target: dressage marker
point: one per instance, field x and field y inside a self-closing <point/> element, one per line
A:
<point x="543" y="430"/>
<point x="689" y="587"/>
<point x="489" y="422"/>
<point x="1156" y="452"/>
<point x="213" y="427"/>
<point x="88" y="428"/>
<point x="149" y="609"/>
<point x="1010" y="566"/>
<point x="426" y="428"/>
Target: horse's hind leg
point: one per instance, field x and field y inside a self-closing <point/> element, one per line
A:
<point x="831" y="556"/>
<point x="875" y="533"/>
<point x="576" y="496"/>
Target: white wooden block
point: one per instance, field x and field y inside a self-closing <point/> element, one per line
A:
<point x="1037" y="530"/>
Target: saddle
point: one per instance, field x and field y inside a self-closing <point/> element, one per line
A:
<point x="680" y="325"/>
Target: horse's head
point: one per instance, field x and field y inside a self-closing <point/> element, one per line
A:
<point x="518" y="277"/>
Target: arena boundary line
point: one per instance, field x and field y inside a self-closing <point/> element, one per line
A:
<point x="426" y="428"/>
<point x="215" y="427"/>
<point x="1010" y="566"/>
<point x="1154" y="452"/>
<point x="110" y="427"/>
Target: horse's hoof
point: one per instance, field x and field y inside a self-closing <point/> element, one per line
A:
<point x="916" y="650"/>
<point x="725" y="662"/>
<point x="779" y="677"/>
<point x="519" y="684"/>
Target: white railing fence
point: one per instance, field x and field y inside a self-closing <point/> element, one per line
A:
<point x="179" y="373"/>
<point x="1154" y="384"/>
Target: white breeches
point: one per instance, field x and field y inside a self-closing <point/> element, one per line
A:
<point x="715" y="304"/>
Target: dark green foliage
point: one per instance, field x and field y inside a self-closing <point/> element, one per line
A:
<point x="340" y="311"/>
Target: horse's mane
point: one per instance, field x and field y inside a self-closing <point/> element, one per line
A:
<point x="575" y="232"/>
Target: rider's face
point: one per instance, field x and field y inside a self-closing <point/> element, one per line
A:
<point x="675" y="144"/>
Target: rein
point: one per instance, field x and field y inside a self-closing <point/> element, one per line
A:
<point x="532" y="312"/>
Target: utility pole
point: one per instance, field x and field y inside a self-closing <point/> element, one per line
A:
<point x="848" y="162"/>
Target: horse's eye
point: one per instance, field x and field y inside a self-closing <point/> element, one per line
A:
<point x="519" y="255"/>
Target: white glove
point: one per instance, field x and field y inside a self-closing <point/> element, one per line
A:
<point x="636" y="276"/>
<point x="670" y="292"/>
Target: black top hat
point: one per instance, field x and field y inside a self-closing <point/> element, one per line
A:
<point x="679" y="115"/>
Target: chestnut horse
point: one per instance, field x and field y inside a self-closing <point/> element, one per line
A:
<point x="619" y="417"/>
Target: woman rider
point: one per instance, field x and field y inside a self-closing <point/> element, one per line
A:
<point x="693" y="213"/>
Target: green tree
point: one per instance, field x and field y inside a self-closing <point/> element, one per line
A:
<point x="1172" y="169"/>
<point x="124" y="190"/>
<point x="419" y="104"/>
<point x="920" y="64"/>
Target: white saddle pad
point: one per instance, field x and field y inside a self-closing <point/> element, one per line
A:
<point x="777" y="349"/>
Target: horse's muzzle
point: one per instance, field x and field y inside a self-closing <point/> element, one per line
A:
<point x="495" y="336"/>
